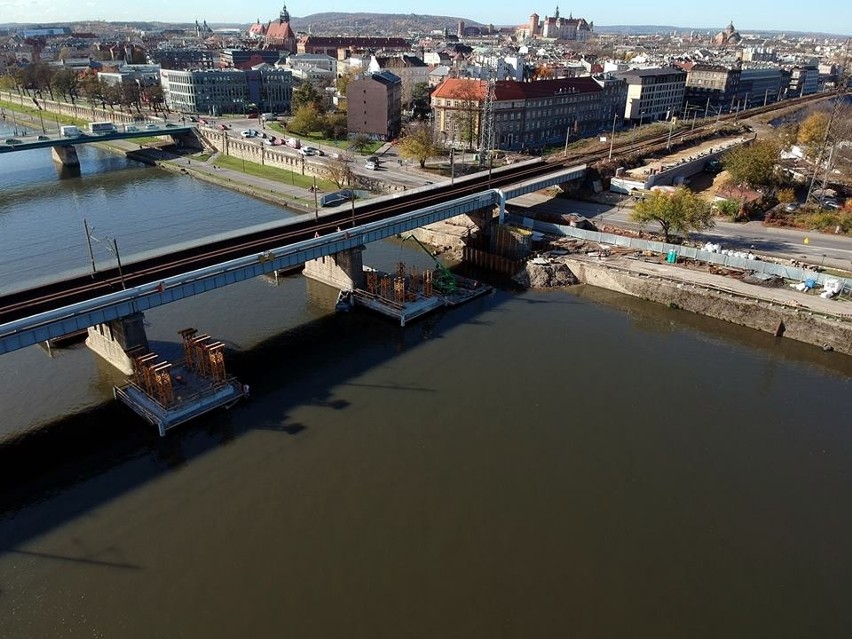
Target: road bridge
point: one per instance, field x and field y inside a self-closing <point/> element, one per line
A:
<point x="64" y="146"/>
<point x="52" y="310"/>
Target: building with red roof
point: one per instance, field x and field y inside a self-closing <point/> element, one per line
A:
<point x="526" y="114"/>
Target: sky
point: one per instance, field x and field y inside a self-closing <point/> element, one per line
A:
<point x="827" y="16"/>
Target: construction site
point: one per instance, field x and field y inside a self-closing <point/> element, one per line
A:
<point x="167" y="394"/>
<point x="410" y="293"/>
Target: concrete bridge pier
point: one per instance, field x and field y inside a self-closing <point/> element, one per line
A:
<point x="66" y="155"/>
<point x="188" y="140"/>
<point x="344" y="271"/>
<point x="113" y="339"/>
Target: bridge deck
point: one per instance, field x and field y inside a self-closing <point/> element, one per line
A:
<point x="28" y="143"/>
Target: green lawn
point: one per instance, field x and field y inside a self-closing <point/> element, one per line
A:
<point x="48" y="117"/>
<point x="273" y="173"/>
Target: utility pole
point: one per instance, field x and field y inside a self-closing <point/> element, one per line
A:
<point x="486" y="138"/>
<point x="118" y="260"/>
<point x="89" y="242"/>
<point x="612" y="137"/>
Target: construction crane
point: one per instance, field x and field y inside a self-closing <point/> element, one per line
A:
<point x="444" y="281"/>
<point x="828" y="140"/>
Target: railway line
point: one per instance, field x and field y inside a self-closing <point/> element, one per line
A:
<point x="19" y="304"/>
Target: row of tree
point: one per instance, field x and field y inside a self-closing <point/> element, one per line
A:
<point x="40" y="80"/>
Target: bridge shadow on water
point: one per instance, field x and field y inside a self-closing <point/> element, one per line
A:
<point x="55" y="473"/>
<point x="104" y="452"/>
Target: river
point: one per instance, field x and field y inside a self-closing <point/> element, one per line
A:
<point x="533" y="464"/>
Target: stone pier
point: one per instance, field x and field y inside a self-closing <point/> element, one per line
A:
<point x="66" y="155"/>
<point x="344" y="270"/>
<point x="113" y="339"/>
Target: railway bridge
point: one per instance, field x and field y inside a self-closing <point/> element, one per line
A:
<point x="113" y="300"/>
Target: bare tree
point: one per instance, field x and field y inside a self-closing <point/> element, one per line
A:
<point x="339" y="169"/>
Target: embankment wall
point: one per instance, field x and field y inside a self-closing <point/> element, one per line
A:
<point x="764" y="315"/>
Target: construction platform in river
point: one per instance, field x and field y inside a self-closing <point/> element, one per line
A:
<point x="410" y="293"/>
<point x="167" y="394"/>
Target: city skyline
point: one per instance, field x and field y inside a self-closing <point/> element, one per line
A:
<point x="822" y="16"/>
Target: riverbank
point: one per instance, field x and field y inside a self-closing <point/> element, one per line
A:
<point x="826" y="323"/>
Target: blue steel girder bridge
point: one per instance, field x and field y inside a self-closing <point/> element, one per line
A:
<point x="28" y="143"/>
<point x="59" y="308"/>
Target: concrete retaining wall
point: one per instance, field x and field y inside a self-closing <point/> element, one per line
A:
<point x="81" y="111"/>
<point x="799" y="324"/>
<point x="276" y="157"/>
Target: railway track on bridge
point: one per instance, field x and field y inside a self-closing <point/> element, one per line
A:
<point x="19" y="304"/>
<point x="24" y="303"/>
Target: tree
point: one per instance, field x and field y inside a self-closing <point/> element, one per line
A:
<point x="306" y="120"/>
<point x="154" y="96"/>
<point x="343" y="81"/>
<point x="335" y="125"/>
<point x="65" y="83"/>
<point x="753" y="165"/>
<point x="786" y="196"/>
<point x="678" y="212"/>
<point x="339" y="170"/>
<point x="812" y="132"/>
<point x="729" y="208"/>
<point x="417" y="144"/>
<point x="421" y="93"/>
<point x="359" y="142"/>
<point x="468" y="97"/>
<point x="306" y="94"/>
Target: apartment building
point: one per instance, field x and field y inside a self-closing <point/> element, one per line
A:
<point x="373" y="105"/>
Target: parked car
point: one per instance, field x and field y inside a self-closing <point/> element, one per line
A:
<point x="12" y="141"/>
<point x="372" y="164"/>
<point x="42" y="138"/>
<point x="792" y="206"/>
<point x="310" y="150"/>
<point x="249" y="133"/>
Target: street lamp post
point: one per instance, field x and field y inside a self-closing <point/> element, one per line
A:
<point x="316" y="202"/>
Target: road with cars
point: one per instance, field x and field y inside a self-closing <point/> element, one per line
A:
<point x="388" y="167"/>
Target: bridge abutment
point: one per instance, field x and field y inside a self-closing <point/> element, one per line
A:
<point x="115" y="338"/>
<point x="344" y="270"/>
<point x="66" y="155"/>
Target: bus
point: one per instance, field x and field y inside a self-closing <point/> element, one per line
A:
<point x="101" y="127"/>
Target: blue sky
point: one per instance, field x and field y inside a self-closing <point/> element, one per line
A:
<point x="830" y="16"/>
